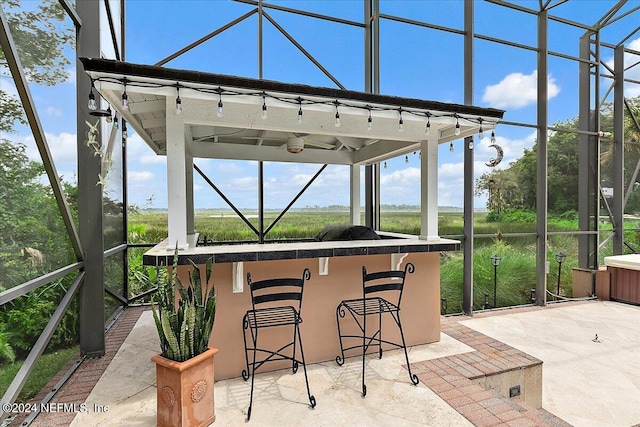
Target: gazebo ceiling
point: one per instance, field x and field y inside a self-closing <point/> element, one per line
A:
<point x="228" y="117"/>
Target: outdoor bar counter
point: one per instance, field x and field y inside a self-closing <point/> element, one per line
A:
<point x="625" y="277"/>
<point x="336" y="274"/>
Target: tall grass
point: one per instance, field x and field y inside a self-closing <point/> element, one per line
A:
<point x="516" y="274"/>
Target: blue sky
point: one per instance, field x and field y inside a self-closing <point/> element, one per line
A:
<point x="414" y="61"/>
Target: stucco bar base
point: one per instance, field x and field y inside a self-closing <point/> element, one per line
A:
<point x="322" y="293"/>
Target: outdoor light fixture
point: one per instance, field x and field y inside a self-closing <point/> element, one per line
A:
<point x="406" y="159"/>
<point x="178" y="101"/>
<point x="385" y="165"/>
<point x="493" y="137"/>
<point x="220" y="105"/>
<point x="213" y="91"/>
<point x="92" y="98"/>
<point x="115" y="121"/>
<point x="451" y="147"/>
<point x="560" y="257"/>
<point x="125" y="97"/>
<point x="125" y="134"/>
<point x="109" y="117"/>
<point x="495" y="260"/>
<point x="264" y="107"/>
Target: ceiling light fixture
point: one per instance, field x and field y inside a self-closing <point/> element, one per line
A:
<point x="295" y="145"/>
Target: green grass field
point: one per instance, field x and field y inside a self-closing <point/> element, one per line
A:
<point x="516" y="274"/>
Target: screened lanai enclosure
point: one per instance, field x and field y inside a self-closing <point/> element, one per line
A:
<point x="499" y="136"/>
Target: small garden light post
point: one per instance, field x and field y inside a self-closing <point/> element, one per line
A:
<point x="495" y="260"/>
<point x="560" y="257"/>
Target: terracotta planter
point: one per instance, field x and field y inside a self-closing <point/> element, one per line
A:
<point x="185" y="390"/>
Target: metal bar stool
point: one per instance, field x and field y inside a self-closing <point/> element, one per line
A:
<point x="266" y="313"/>
<point x="372" y="303"/>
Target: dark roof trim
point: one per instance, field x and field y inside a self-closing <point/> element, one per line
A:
<point x="175" y="75"/>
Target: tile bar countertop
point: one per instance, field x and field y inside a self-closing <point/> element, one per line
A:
<point x="390" y="243"/>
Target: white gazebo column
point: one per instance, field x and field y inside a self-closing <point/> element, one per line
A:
<point x="188" y="169"/>
<point x="354" y="194"/>
<point x="429" y="190"/>
<point x="176" y="178"/>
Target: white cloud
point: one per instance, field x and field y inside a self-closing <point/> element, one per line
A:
<point x="8" y="86"/>
<point x="62" y="147"/>
<point x="139" y="150"/>
<point x="53" y="111"/>
<point x="632" y="90"/>
<point x="517" y="90"/>
<point x="139" y="176"/>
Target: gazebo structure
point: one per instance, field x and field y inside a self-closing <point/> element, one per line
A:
<point x="176" y="112"/>
<point x="188" y="115"/>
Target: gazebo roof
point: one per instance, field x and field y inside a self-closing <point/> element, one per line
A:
<point x="261" y="119"/>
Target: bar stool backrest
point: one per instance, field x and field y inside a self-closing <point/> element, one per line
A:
<point x="272" y="292"/>
<point x="385" y="282"/>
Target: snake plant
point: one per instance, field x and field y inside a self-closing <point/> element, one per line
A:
<point x="184" y="315"/>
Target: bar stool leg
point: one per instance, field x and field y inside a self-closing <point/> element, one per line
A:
<point x="364" y="347"/>
<point x="412" y="377"/>
<point x="340" y="313"/>
<point x="245" y="325"/>
<point x="294" y="362"/>
<point x="312" y="399"/>
<point x="254" y="339"/>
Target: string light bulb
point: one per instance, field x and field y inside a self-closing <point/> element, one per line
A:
<point x="115" y="121"/>
<point x="338" y="123"/>
<point x="220" y="105"/>
<point x="299" y="110"/>
<point x="457" y="126"/>
<point x="178" y="101"/>
<point x="369" y="120"/>
<point x="451" y="147"/>
<point x="470" y="143"/>
<point x="400" y="121"/>
<point x="481" y="130"/>
<point x="92" y="98"/>
<point x="385" y="165"/>
<point x="109" y="117"/>
<point x="493" y="137"/>
<point x="125" y="97"/>
<point x="427" y="129"/>
<point x="264" y="106"/>
<point x="406" y="158"/>
<point x="125" y="133"/>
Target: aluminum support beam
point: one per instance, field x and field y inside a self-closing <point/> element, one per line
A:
<point x="90" y="218"/>
<point x="467" y="244"/>
<point x="588" y="163"/>
<point x="372" y="85"/>
<point x="617" y="204"/>
<point x="542" y="158"/>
